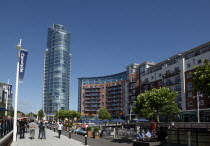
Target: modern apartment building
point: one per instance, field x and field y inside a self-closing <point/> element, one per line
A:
<point x="173" y="72"/>
<point x="6" y="95"/>
<point x="56" y="86"/>
<point x="113" y="92"/>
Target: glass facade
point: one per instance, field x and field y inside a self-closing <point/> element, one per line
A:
<point x="56" y="87"/>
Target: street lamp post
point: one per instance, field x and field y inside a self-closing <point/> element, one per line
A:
<point x="198" y="105"/>
<point x="16" y="94"/>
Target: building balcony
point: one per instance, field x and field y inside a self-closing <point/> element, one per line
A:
<point x="113" y="86"/>
<point x="132" y="88"/>
<point x="91" y="102"/>
<point x="92" y="91"/>
<point x="108" y="97"/>
<point x="170" y="74"/>
<point x="114" y="109"/>
<point x="113" y="105"/>
<point x="145" y="82"/>
<point x="114" y="89"/>
<point x="98" y="98"/>
<point x="91" y="106"/>
<point x="92" y="95"/>
<point x="132" y="94"/>
<point x="114" y="93"/>
<point x="170" y="83"/>
<point x="112" y="101"/>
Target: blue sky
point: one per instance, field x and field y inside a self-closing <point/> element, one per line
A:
<point x="106" y="36"/>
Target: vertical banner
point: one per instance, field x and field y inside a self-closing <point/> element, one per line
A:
<point x="9" y="89"/>
<point x="22" y="64"/>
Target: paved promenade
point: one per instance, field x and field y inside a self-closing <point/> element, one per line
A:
<point x="51" y="140"/>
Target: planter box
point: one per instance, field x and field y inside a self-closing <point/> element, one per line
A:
<point x="89" y="133"/>
<point x="96" y="135"/>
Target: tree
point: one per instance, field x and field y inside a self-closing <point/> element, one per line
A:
<point x="40" y="114"/>
<point x="201" y="78"/>
<point x="156" y="102"/>
<point x="70" y="114"/>
<point x="103" y="114"/>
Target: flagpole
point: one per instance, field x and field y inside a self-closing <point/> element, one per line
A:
<point x="16" y="95"/>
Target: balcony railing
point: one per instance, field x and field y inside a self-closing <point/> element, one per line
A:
<point x="113" y="105"/>
<point x="111" y="101"/>
<point x="92" y="91"/>
<point x="173" y="73"/>
<point x="108" y="97"/>
<point x="114" y="93"/>
<point x="114" y="89"/>
<point x="114" y="109"/>
<point x="94" y="94"/>
<point x="169" y="83"/>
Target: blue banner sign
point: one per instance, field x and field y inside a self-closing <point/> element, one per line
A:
<point x="10" y="89"/>
<point x="22" y="64"/>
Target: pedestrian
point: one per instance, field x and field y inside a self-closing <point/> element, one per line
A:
<point x="41" y="131"/>
<point x="32" y="127"/>
<point x="162" y="135"/>
<point x="152" y="127"/>
<point x="22" y="126"/>
<point x="60" y="127"/>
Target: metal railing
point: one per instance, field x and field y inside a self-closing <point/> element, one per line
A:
<point x="6" y="125"/>
<point x="198" y="136"/>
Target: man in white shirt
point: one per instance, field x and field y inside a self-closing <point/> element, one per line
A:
<point x="32" y="127"/>
<point x="60" y="127"/>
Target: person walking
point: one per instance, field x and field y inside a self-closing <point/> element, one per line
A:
<point x="60" y="127"/>
<point x="32" y="127"/>
<point x="41" y="131"/>
<point x="22" y="126"/>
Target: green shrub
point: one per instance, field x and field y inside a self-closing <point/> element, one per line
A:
<point x="96" y="129"/>
<point x="68" y="125"/>
<point x="88" y="128"/>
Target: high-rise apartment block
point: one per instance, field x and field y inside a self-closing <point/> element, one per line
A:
<point x="173" y="72"/>
<point x="57" y="60"/>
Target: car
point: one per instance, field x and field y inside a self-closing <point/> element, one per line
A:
<point x="81" y="131"/>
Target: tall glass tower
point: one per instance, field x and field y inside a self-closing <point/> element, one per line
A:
<point x="57" y="61"/>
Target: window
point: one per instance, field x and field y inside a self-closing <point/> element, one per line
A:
<point x="152" y="85"/>
<point x="160" y="75"/>
<point x="190" y="103"/>
<point x="189" y="75"/>
<point x="188" y="65"/>
<point x="189" y="94"/>
<point x="189" y="86"/>
<point x="201" y="102"/>
<point x="199" y="61"/>
<point x="152" y="77"/>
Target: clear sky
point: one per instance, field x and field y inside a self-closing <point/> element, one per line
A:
<point x="106" y="36"/>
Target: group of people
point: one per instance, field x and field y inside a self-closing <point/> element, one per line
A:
<point x="24" y="126"/>
<point x="150" y="134"/>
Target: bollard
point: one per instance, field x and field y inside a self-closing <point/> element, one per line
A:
<point x="189" y="141"/>
<point x="85" y="139"/>
<point x="54" y="129"/>
<point x="70" y="134"/>
<point x="50" y="127"/>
